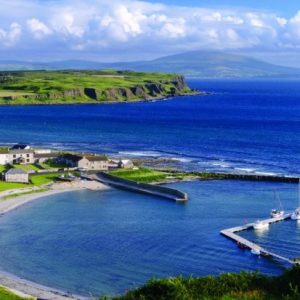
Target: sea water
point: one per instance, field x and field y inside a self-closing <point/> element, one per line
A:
<point x="242" y="127"/>
<point x="106" y="242"/>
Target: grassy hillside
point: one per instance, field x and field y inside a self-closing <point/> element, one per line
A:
<point x="243" y="286"/>
<point x="26" y="87"/>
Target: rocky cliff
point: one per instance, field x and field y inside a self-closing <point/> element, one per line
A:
<point x="131" y="87"/>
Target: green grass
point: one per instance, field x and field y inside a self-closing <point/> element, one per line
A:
<point x="27" y="168"/>
<point x="23" y="194"/>
<point x="13" y="93"/>
<point x="50" y="86"/>
<point x="5" y="294"/>
<point x="52" y="164"/>
<point x="42" y="179"/>
<point x="4" y="186"/>
<point x="229" y="286"/>
<point x="3" y="168"/>
<point x="141" y="175"/>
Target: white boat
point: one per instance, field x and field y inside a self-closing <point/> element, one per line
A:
<point x="296" y="214"/>
<point x="277" y="213"/>
<point x="255" y="252"/>
<point x="258" y="225"/>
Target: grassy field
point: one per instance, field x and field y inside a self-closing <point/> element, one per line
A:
<point x="27" y="168"/>
<point x="141" y="175"/>
<point x="8" y="295"/>
<point x="9" y="93"/>
<point x="230" y="286"/>
<point x="69" y="86"/>
<point x="51" y="164"/>
<point x="148" y="175"/>
<point x="4" y="186"/>
<point x="41" y="179"/>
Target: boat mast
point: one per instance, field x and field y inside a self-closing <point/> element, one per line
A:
<point x="299" y="193"/>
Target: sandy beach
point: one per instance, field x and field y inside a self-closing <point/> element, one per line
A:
<point x="23" y="287"/>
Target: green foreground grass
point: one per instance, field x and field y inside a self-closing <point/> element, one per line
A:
<point x="8" y="295"/>
<point x="230" y="286"/>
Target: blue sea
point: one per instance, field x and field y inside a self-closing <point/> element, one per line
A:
<point x="96" y="243"/>
<point x="242" y="127"/>
<point x="106" y="242"/>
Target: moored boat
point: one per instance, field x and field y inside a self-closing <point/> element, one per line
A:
<point x="260" y="225"/>
<point x="255" y="252"/>
<point x="276" y="213"/>
<point x="296" y="214"/>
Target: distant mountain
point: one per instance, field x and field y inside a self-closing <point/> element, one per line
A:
<point x="200" y="64"/>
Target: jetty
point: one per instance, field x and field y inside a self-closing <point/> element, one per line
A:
<point x="145" y="188"/>
<point x="231" y="233"/>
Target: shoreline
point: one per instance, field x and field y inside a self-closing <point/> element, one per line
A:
<point x="158" y="98"/>
<point x="30" y="288"/>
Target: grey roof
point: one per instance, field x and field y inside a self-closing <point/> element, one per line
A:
<point x="96" y="157"/>
<point x="72" y="157"/>
<point x="19" y="146"/>
<point x="17" y="151"/>
<point x="46" y="155"/>
<point x="15" y="171"/>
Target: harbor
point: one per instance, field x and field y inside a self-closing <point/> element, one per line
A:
<point x="231" y="233"/>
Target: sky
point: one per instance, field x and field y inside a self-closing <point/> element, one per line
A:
<point x="124" y="30"/>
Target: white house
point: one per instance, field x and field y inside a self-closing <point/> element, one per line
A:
<point x="12" y="156"/>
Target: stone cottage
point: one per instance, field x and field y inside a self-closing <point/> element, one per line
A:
<point x="85" y="161"/>
<point x="16" y="175"/>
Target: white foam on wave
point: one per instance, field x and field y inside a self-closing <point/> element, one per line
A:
<point x="141" y="153"/>
<point x="221" y="164"/>
<point x="181" y="159"/>
<point x="248" y="170"/>
<point x="266" y="173"/>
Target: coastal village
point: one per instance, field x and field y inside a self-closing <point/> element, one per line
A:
<point x="21" y="161"/>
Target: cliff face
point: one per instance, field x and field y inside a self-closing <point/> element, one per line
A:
<point x="146" y="91"/>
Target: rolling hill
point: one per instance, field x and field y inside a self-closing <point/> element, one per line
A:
<point x="199" y="64"/>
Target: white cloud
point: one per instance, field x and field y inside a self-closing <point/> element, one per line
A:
<point x="99" y="26"/>
<point x="38" y="28"/>
<point x="10" y="37"/>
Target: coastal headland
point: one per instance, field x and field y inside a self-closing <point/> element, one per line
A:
<point x="75" y="87"/>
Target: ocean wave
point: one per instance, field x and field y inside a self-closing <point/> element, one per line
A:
<point x="181" y="159"/>
<point x="245" y="169"/>
<point x="266" y="173"/>
<point x="140" y="153"/>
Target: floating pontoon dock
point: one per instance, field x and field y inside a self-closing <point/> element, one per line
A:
<point x="231" y="234"/>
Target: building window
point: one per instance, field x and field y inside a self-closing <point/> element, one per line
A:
<point x="28" y="160"/>
<point x="15" y="156"/>
<point x="27" y="155"/>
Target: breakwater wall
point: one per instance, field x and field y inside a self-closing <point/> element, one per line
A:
<point x="253" y="177"/>
<point x="145" y="188"/>
<point x="256" y="177"/>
